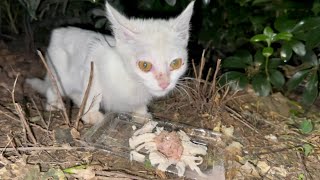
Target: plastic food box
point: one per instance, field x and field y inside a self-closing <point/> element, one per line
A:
<point x="113" y="134"/>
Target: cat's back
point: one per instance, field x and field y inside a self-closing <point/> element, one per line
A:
<point x="73" y="38"/>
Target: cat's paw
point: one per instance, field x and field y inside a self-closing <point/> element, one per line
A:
<point x="93" y="117"/>
<point x="142" y="118"/>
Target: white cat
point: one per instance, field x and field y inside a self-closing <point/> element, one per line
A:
<point x="144" y="59"/>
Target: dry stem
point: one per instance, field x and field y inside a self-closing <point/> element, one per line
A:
<point x="214" y="81"/>
<point x="43" y="148"/>
<point x="41" y="117"/>
<point x="55" y="85"/>
<point x="85" y="98"/>
<point x="25" y="125"/>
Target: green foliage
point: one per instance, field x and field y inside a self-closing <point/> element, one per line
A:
<point x="297" y="40"/>
<point x="301" y="177"/>
<point x="306" y="126"/>
<point x="262" y="70"/>
<point x="307" y="149"/>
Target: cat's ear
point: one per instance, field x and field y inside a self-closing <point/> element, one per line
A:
<point x="181" y="24"/>
<point x="121" y="25"/>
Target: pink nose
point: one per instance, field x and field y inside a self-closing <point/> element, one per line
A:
<point x="164" y="85"/>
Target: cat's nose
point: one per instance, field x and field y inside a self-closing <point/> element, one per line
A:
<point x="164" y="85"/>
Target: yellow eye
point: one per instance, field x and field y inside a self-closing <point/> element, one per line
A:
<point x="176" y="64"/>
<point x="144" y="66"/>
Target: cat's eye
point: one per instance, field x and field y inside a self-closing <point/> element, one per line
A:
<point x="145" y="66"/>
<point x="176" y="64"/>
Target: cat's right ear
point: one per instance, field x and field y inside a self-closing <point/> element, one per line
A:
<point x="121" y="26"/>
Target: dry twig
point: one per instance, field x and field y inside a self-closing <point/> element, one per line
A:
<point x="214" y="81"/>
<point x="25" y="125"/>
<point x="55" y="85"/>
<point x="40" y="115"/>
<point x="85" y="98"/>
<point x="45" y="148"/>
<point x="237" y="116"/>
<point x="117" y="175"/>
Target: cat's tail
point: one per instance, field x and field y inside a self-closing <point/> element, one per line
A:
<point x="39" y="85"/>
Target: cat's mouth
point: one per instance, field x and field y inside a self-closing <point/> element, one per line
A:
<point x="160" y="92"/>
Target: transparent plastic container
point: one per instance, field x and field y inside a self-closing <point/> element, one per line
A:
<point x="113" y="134"/>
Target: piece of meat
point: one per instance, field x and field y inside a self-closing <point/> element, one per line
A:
<point x="169" y="144"/>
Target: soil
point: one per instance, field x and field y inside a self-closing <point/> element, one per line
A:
<point x="261" y="138"/>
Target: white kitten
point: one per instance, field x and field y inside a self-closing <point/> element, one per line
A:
<point x="144" y="59"/>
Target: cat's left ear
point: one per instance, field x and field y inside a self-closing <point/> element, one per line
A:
<point x="121" y="25"/>
<point x="182" y="23"/>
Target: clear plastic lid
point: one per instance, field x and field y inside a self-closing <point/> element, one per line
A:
<point x="113" y="134"/>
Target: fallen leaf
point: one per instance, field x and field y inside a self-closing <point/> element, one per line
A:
<point x="249" y="169"/>
<point x="217" y="127"/>
<point x="234" y="148"/>
<point x="227" y="131"/>
<point x="263" y="167"/>
<point x="271" y="137"/>
<point x="75" y="133"/>
<point x="279" y="171"/>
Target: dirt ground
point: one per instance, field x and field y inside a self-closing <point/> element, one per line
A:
<point x="260" y="136"/>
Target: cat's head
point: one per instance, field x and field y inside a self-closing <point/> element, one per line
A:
<point x="155" y="50"/>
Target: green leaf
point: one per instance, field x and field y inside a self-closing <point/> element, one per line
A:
<point x="285" y="52"/>
<point x="74" y="169"/>
<point x="274" y="63"/>
<point x="301" y="176"/>
<point x="306" y="126"/>
<point x="283" y="24"/>
<point x="245" y="56"/>
<point x="298" y="47"/>
<point x="257" y="2"/>
<point x="277" y="78"/>
<point x="268" y="32"/>
<point x="310" y="58"/>
<point x="283" y="36"/>
<point x="259" y="58"/>
<point x="307" y="149"/>
<point x="240" y="60"/>
<point x="147" y="164"/>
<point x="261" y="85"/>
<point x="297" y="78"/>
<point x="236" y="80"/>
<point x="259" y="37"/>
<point x="313" y="38"/>
<point x="311" y="91"/>
<point x="267" y="51"/>
<point x="307" y="24"/>
<point x="316" y="7"/>
<point x="233" y="62"/>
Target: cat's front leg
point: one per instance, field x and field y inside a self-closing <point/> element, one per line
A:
<point x="92" y="114"/>
<point x="141" y="114"/>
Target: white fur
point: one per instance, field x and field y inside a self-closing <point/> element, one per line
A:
<point x="118" y="83"/>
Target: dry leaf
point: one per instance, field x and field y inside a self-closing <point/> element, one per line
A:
<point x="217" y="128"/>
<point x="263" y="167"/>
<point x="279" y="171"/>
<point x="75" y="133"/>
<point x="248" y="168"/>
<point x="227" y="131"/>
<point x="271" y="137"/>
<point x="235" y="148"/>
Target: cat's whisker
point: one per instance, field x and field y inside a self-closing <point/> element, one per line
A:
<point x="186" y="86"/>
<point x="177" y="88"/>
<point x="183" y="89"/>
